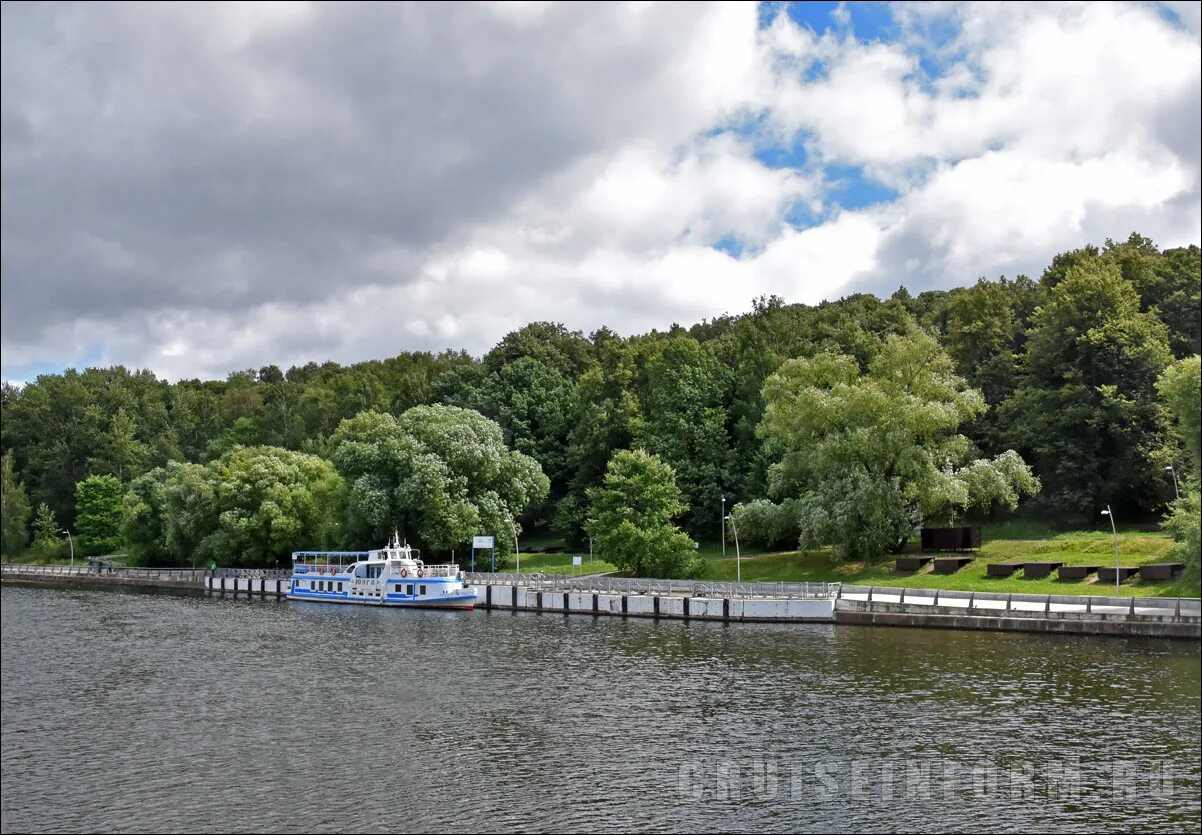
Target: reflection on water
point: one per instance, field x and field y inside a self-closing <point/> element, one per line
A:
<point x="149" y="713"/>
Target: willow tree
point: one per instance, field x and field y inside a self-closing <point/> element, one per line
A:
<point x="441" y="474"/>
<point x="863" y="458"/>
<point x="251" y="507"/>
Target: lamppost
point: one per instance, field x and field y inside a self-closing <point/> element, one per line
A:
<point x="70" y="542"/>
<point x="517" y="550"/>
<point x="1115" y="531"/>
<point x="738" y="556"/>
<point x="1176" y="489"/>
<point x="723" y="526"/>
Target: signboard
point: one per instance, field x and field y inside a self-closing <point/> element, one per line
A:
<point x="577" y="560"/>
<point x="482" y="541"/>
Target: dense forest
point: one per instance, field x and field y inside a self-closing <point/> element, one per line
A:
<point x="1066" y="368"/>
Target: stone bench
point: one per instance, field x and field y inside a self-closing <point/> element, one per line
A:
<point x="1039" y="570"/>
<point x="1161" y="570"/>
<point x="1077" y="572"/>
<point x="1002" y="569"/>
<point x="950" y="565"/>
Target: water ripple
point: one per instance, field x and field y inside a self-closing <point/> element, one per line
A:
<point x="143" y="713"/>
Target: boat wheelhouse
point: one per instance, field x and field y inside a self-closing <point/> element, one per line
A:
<point x="390" y="576"/>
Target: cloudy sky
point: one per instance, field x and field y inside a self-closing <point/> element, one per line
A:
<point x="197" y="189"/>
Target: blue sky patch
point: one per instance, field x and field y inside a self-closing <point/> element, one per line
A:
<point x="869" y="21"/>
<point x="849" y="188"/>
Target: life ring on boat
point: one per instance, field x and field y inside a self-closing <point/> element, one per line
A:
<point x="421" y="572"/>
<point x="404" y="572"/>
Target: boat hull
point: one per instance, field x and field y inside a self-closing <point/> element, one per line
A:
<point x="455" y="602"/>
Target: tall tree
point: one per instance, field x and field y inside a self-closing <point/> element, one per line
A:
<point x="604" y="414"/>
<point x="684" y="423"/>
<point x="14" y="509"/>
<point x="630" y="518"/>
<point x="47" y="537"/>
<point x="1181" y="387"/>
<point x="98" y="508"/>
<point x="440" y="474"/>
<point x="251" y="507"/>
<point x="868" y="457"/>
<point x="1086" y="414"/>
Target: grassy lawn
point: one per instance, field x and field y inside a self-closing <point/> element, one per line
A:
<point x="1080" y="548"/>
<point x="554" y="564"/>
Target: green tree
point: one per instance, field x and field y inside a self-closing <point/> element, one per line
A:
<point x="767" y="523"/>
<point x="1086" y="414"/>
<point x="98" y="514"/>
<point x="440" y="474"/>
<point x="869" y="457"/>
<point x="532" y="403"/>
<point x="269" y="502"/>
<point x="47" y="536"/>
<point x="143" y="525"/>
<point x="1169" y="284"/>
<point x="604" y="412"/>
<point x="251" y="507"/>
<point x="684" y="423"/>
<point x="14" y="509"/>
<point x="1181" y="387"/>
<point x="121" y="453"/>
<point x="630" y="518"/>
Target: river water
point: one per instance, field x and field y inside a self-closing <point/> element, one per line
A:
<point x="152" y="713"/>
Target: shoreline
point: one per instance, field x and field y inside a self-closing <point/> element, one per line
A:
<point x="1174" y="618"/>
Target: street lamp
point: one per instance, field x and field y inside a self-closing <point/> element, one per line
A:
<point x="723" y="526"/>
<point x="70" y="542"/>
<point x="1115" y="531"/>
<point x="738" y="556"/>
<point x="1176" y="489"/>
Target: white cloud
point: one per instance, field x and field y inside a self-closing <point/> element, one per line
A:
<point x="204" y="192"/>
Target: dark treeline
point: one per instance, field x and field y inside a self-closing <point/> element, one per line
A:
<point x="1067" y="364"/>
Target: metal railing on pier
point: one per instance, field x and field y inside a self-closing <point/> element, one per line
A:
<point x="633" y="585"/>
<point x="254" y="573"/>
<point x="85" y="570"/>
<point x="1172" y="607"/>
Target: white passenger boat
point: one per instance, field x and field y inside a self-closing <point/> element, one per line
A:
<point x="390" y="576"/>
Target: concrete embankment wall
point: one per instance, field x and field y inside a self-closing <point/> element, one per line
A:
<point x="780" y="603"/>
<point x="860" y="613"/>
<point x="131" y="580"/>
<point x="1047" y="613"/>
<point x="680" y="606"/>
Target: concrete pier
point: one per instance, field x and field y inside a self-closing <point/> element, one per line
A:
<point x="710" y="601"/>
<point x="650" y="604"/>
<point x="186" y="581"/>
<point x="1150" y="617"/>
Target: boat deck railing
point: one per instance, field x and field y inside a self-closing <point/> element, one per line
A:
<point x="441" y="570"/>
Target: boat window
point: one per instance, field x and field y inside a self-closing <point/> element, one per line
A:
<point x="340" y="586"/>
<point x="411" y="589"/>
<point x="422" y="590"/>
